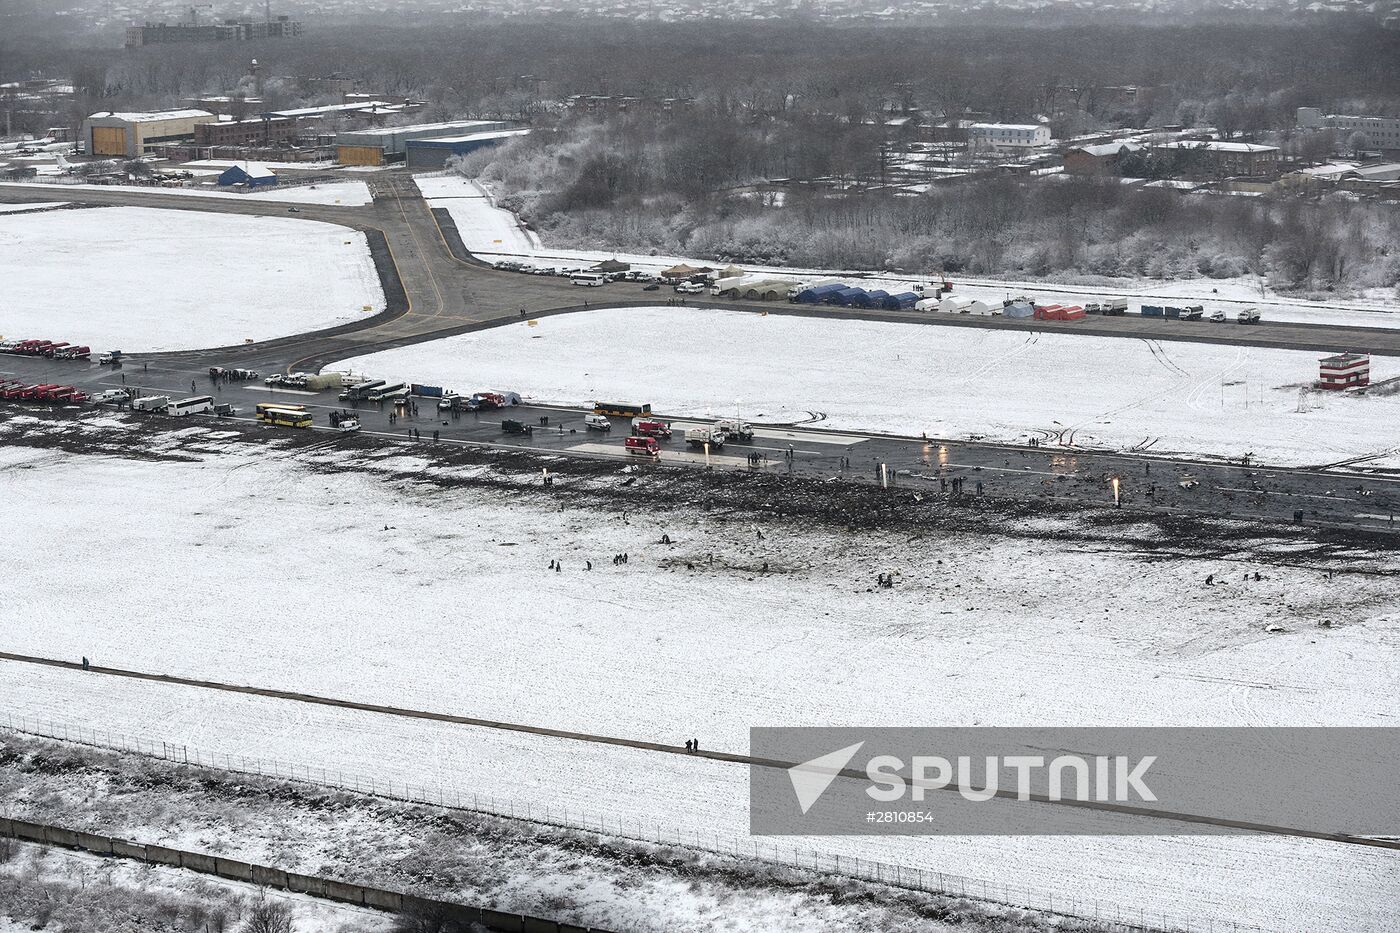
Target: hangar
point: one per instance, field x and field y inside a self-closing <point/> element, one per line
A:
<point x="387" y="144"/>
<point x="433" y="153"/>
<point x="131" y="135"/>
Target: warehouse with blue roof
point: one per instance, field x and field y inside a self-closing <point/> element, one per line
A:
<point x="432" y="154"/>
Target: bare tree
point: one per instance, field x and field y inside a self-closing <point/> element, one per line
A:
<point x="268" y="917"/>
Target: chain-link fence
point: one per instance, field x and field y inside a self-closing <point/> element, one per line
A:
<point x="1108" y="914"/>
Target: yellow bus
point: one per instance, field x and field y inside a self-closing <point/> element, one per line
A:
<point x="287" y="416"/>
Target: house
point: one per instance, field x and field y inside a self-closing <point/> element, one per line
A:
<point x="1101" y="159"/>
<point x="1009" y="135"/>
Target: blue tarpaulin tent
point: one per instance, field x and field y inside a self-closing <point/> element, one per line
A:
<point x="251" y="174"/>
<point x="815" y="295"/>
<point x="901" y="302"/>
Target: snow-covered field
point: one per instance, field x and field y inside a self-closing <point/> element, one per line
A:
<point x="140" y="279"/>
<point x="1177" y="398"/>
<point x="342" y="193"/>
<point x="493" y="232"/>
<point x="353" y="586"/>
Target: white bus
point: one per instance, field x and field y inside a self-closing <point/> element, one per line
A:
<point x="589" y="278"/>
<point x="198" y="405"/>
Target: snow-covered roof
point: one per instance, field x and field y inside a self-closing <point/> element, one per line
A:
<point x="257" y="170"/>
<point x="1215" y="145"/>
<point x="1022" y="127"/>
<point x="152" y="117"/>
<point x="472" y="137"/>
<point x="1387" y="171"/>
<point x="1107" y="149"/>
<point x="424" y="127"/>
<point x="332" y="108"/>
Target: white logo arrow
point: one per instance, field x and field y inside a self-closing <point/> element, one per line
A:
<point x="810" y="779"/>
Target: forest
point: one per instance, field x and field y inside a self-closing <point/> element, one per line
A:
<point x="605" y="185"/>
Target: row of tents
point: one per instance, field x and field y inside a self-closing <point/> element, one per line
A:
<point x="846" y="296"/>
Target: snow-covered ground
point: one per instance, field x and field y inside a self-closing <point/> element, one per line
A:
<point x="1179" y="398"/>
<point x="494" y="232"/>
<point x="36" y="206"/>
<point x="342" y="193"/>
<point x="140" y="279"/>
<point x="441" y="599"/>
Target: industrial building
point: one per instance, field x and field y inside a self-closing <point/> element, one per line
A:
<point x="390" y="144"/>
<point x="434" y="153"/>
<point x="230" y="30"/>
<point x="1009" y="135"/>
<point x="129" y="135"/>
<point x="258" y="131"/>
<point x="1215" y="158"/>
<point x="1381" y="133"/>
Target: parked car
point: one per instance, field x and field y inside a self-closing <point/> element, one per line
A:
<point x="653" y="287"/>
<point x="690" y="288"/>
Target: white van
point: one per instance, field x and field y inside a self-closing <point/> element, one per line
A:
<point x="589" y="279"/>
<point x="198" y="405"/>
<point x="597" y="422"/>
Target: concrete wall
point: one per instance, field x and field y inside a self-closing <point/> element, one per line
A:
<point x="234" y="870"/>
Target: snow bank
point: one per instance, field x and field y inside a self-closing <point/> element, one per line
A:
<point x="140" y="279"/>
<point x="1175" y="398"/>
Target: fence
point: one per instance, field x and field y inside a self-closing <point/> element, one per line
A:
<point x="1110" y="915"/>
<point x="267" y="876"/>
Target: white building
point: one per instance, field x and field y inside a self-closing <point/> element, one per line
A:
<point x="1009" y="135"/>
<point x="1383" y="132"/>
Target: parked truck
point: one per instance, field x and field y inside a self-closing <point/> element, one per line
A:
<point x="1249" y="316"/>
<point x="155" y="403"/>
<point x="736" y="430"/>
<point x="650" y="427"/>
<point x="645" y="446"/>
<point x="700" y="437"/>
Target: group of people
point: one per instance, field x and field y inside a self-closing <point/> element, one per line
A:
<point x="884" y="580"/>
<point x="692" y="746"/>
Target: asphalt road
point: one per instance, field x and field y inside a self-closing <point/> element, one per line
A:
<point x="449" y="293"/>
<point x="928" y="467"/>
